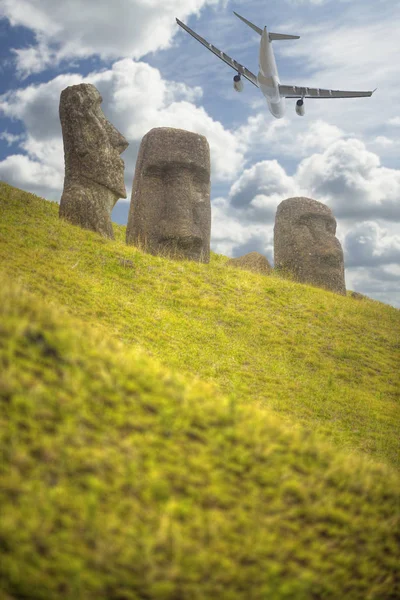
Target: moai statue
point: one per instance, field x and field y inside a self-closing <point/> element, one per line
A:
<point x="170" y="211"/>
<point x="253" y="261"/>
<point x="94" y="170"/>
<point x="305" y="244"/>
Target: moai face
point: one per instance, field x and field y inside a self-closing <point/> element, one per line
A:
<point x="92" y="145"/>
<point x="170" y="212"/>
<point x="305" y="244"/>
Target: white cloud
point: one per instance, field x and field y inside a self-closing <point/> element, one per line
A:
<point x="10" y="138"/>
<point x="260" y="188"/>
<point x="232" y="236"/>
<point x="302" y="2"/>
<point x="344" y="175"/>
<point x="135" y="99"/>
<point x="318" y="136"/>
<point x="355" y="49"/>
<point x="81" y="28"/>
<point x="381" y="140"/>
<point x="351" y="180"/>
<point x="368" y="245"/>
<point x="31" y="175"/>
<point x="381" y="283"/>
<point x="37" y="106"/>
<point x="289" y="137"/>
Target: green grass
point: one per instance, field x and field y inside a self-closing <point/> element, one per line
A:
<point x="317" y="359"/>
<point x="178" y="431"/>
<point x="122" y="480"/>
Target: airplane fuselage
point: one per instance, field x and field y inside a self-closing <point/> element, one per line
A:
<point x="267" y="77"/>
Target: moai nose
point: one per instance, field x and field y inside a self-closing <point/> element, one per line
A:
<point x="116" y="138"/>
<point x="178" y="222"/>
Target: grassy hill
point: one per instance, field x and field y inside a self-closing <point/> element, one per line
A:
<point x="172" y="430"/>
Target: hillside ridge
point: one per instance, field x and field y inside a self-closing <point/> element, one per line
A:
<point x="319" y="361"/>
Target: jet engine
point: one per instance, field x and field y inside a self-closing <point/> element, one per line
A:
<point x="300" y="110"/>
<point x="238" y="83"/>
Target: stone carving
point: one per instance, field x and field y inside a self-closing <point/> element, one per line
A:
<point x="305" y="244"/>
<point x="94" y="170"/>
<point x="357" y="296"/>
<point x="253" y="261"/>
<point x="170" y="211"/>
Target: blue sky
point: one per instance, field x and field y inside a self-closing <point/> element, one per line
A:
<point x="150" y="73"/>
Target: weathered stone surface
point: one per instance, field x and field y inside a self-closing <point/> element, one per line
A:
<point x="94" y="170"/>
<point x="357" y="296"/>
<point x="305" y="244"/>
<point x="253" y="261"/>
<point x="170" y="211"/>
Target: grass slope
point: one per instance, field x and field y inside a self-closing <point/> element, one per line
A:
<point x="320" y="361"/>
<point x="123" y="481"/>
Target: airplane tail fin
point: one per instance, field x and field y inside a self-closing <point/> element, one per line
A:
<point x="257" y="29"/>
<point x="272" y="36"/>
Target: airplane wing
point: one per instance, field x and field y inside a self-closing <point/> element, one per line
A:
<point x="293" y="91"/>
<point x="227" y="59"/>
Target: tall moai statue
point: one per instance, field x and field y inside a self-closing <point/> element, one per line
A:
<point x="305" y="244"/>
<point x="94" y="170"/>
<point x="170" y="211"/>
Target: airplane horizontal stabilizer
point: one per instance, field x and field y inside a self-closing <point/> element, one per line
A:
<point x="272" y="36"/>
<point x="282" y="36"/>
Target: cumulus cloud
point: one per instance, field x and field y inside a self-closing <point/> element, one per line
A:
<point x="23" y="172"/>
<point x="135" y="99"/>
<point x="232" y="236"/>
<point x="382" y="140"/>
<point x="10" y="138"/>
<point x="288" y="138"/>
<point x="352" y="181"/>
<point x="369" y="245"/>
<point x="81" y="28"/>
<point x="345" y="175"/>
<point x="381" y="283"/>
<point x="260" y="188"/>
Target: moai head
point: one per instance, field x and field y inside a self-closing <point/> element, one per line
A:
<point x="94" y="170"/>
<point x="253" y="261"/>
<point x="92" y="145"/>
<point x="170" y="212"/>
<point x="305" y="244"/>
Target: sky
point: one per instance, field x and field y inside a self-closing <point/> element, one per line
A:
<point x="150" y="73"/>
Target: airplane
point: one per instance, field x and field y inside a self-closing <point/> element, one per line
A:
<point x="267" y="79"/>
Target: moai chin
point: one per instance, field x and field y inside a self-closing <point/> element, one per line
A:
<point x="305" y="244"/>
<point x="94" y="170"/>
<point x="170" y="211"/>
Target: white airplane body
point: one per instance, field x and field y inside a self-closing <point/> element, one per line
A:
<point x="267" y="79"/>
